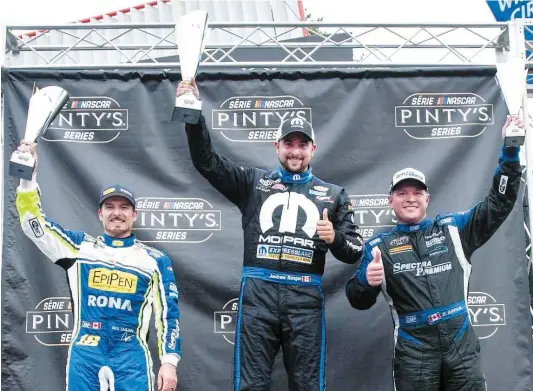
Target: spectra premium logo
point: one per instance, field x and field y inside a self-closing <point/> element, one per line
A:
<point x="451" y="115"/>
<point x="97" y="119"/>
<point x="372" y="214"/>
<point x="51" y="321"/>
<point x="176" y="220"/>
<point x="225" y="321"/>
<point x="256" y="118"/>
<point x="486" y="314"/>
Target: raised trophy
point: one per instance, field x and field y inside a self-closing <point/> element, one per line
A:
<point x="45" y="105"/>
<point x="190" y="34"/>
<point x="512" y="77"/>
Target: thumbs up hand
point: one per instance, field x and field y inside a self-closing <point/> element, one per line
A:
<point x="324" y="228"/>
<point x="374" y="271"/>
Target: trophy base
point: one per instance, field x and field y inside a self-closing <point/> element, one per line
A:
<point x="514" y="141"/>
<point x="514" y="136"/>
<point x="186" y="115"/>
<point x="21" y="168"/>
<point x="187" y="109"/>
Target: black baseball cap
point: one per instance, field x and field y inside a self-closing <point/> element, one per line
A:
<point x="293" y="125"/>
<point x="116" y="191"/>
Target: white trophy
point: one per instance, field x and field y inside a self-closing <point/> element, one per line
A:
<point x="45" y="105"/>
<point x="512" y="77"/>
<point x="190" y="34"/>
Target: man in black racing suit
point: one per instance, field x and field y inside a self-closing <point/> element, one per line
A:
<point x="422" y="267"/>
<point x="290" y="220"/>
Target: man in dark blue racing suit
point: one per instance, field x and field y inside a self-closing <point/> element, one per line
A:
<point x="290" y="220"/>
<point x="422" y="267"/>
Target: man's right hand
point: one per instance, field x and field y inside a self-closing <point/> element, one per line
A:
<point x="27" y="146"/>
<point x="188" y="87"/>
<point x="374" y="270"/>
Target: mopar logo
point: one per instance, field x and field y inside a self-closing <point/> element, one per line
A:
<point x="372" y="214"/>
<point x="256" y="118"/>
<point x="176" y="220"/>
<point x="443" y="115"/>
<point x="98" y="119"/>
<point x="289" y="213"/>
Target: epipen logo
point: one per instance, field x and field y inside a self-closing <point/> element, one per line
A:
<point x="112" y="280"/>
<point x="51" y="321"/>
<point x="372" y="214"/>
<point x="225" y="321"/>
<point x="176" y="220"/>
<point x="486" y="314"/>
<point x="88" y="119"/>
<point x="256" y="118"/>
<point x="443" y="115"/>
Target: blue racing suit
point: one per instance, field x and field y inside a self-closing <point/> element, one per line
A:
<point x="114" y="284"/>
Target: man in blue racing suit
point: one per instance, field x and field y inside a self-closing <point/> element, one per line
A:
<point x="422" y="267"/>
<point x="115" y="282"/>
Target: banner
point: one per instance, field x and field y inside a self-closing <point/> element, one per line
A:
<point x="116" y="128"/>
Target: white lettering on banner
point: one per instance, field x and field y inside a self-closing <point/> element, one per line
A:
<point x="176" y="220"/>
<point x="289" y="213"/>
<point x="443" y="115"/>
<point x="224" y="321"/>
<point x="372" y="214"/>
<point x="256" y="118"/>
<point x="51" y="321"/>
<point x="486" y="314"/>
<point x="89" y="119"/>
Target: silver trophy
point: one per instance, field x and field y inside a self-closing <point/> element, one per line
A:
<point x="190" y="34"/>
<point x="45" y="105"/>
<point x="511" y="77"/>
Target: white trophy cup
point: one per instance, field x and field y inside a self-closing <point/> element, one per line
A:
<point x="512" y="77"/>
<point x="190" y="34"/>
<point x="45" y="105"/>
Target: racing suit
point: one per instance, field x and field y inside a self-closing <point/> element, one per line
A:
<point x="114" y="284"/>
<point x="427" y="270"/>
<point x="281" y="300"/>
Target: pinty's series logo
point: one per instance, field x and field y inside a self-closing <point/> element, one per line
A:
<point x="256" y="118"/>
<point x="444" y="115"/>
<point x="176" y="220"/>
<point x="51" y="321"/>
<point x="94" y="119"/>
<point x="486" y="314"/>
<point x="225" y="321"/>
<point x="372" y="214"/>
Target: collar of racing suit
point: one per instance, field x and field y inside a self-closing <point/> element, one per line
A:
<point x="291" y="177"/>
<point x="413" y="227"/>
<point x="119" y="242"/>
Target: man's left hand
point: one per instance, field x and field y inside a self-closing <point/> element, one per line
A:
<point x="324" y="228"/>
<point x="167" y="380"/>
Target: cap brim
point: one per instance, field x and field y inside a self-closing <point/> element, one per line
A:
<point x="411" y="180"/>
<point x="116" y="194"/>
<point x="297" y="131"/>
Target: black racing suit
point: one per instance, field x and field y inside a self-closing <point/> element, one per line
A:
<point x="281" y="301"/>
<point x="427" y="269"/>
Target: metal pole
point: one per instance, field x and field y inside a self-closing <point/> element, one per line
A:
<point x="517" y="50"/>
